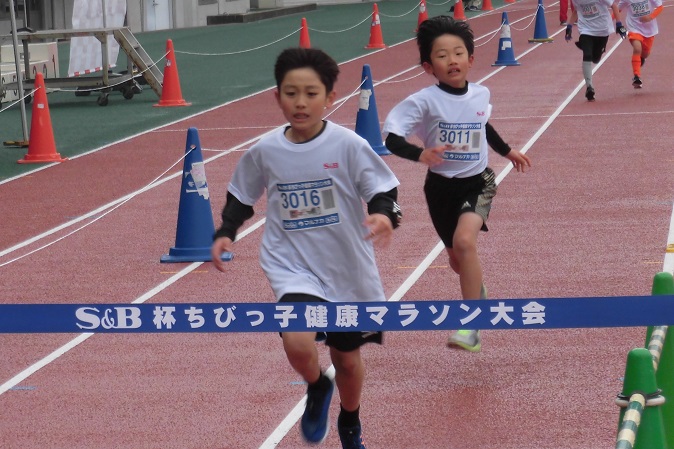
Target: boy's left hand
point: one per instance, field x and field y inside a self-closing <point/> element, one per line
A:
<point x="519" y="160"/>
<point x="381" y="229"/>
<point x="569" y="30"/>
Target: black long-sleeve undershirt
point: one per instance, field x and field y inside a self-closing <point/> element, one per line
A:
<point x="401" y="147"/>
<point x="235" y="213"/>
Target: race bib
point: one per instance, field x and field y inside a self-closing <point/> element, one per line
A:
<point x="590" y="10"/>
<point x="464" y="139"/>
<point x="640" y="9"/>
<point x="308" y="204"/>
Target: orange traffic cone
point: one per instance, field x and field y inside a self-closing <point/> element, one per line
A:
<point x="171" y="95"/>
<point x="459" y="13"/>
<point x="376" y="39"/>
<point x="423" y="13"/>
<point x="487" y="6"/>
<point x="41" y="146"/>
<point x="304" y="35"/>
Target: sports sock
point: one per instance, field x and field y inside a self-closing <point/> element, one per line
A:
<point x="348" y="419"/>
<point x="636" y="64"/>
<point x="322" y="384"/>
<point x="587" y="72"/>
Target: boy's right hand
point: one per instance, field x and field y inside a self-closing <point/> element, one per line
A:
<point x="220" y="245"/>
<point x="569" y="29"/>
<point x="433" y="156"/>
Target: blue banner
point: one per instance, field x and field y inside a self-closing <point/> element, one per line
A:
<point x="543" y="313"/>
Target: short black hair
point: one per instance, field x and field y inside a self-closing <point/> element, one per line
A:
<point x="313" y="58"/>
<point x="431" y="29"/>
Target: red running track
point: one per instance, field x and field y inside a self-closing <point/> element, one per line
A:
<point x="589" y="219"/>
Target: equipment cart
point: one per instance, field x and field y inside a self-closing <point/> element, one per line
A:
<point x="138" y="61"/>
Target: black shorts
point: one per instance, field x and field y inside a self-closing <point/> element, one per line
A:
<point x="448" y="198"/>
<point x="341" y="341"/>
<point x="593" y="47"/>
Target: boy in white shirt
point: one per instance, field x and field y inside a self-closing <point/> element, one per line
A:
<point x="318" y="240"/>
<point x="641" y="30"/>
<point x="451" y="119"/>
<point x="595" y="24"/>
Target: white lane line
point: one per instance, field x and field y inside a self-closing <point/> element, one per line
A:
<point x="23" y="375"/>
<point x="112" y="204"/>
<point x="668" y="265"/>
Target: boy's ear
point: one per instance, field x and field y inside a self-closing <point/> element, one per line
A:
<point x="277" y="95"/>
<point x="427" y="67"/>
<point x="330" y="99"/>
<point x="471" y="58"/>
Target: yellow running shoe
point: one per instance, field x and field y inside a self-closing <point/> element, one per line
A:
<point x="465" y="339"/>
<point x="469" y="340"/>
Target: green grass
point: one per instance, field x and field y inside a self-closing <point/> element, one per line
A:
<point x="229" y="62"/>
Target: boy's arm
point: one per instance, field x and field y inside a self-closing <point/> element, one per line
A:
<point x="519" y="160"/>
<point x="385" y="203"/>
<point x="383" y="217"/>
<point x="619" y="28"/>
<point x="496" y="141"/>
<point x="233" y="215"/>
<point x="569" y="25"/>
<point x="656" y="12"/>
<point x="401" y="147"/>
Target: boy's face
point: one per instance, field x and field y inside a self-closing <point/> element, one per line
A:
<point x="303" y="99"/>
<point x="450" y="61"/>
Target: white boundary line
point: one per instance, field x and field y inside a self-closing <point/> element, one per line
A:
<point x="11" y="383"/>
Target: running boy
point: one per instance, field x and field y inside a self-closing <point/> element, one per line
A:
<point x="318" y="241"/>
<point x="641" y="30"/>
<point x="451" y="119"/>
<point x="595" y="24"/>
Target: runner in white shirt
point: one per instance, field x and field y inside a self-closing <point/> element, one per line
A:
<point x="595" y="24"/>
<point x="452" y="121"/>
<point x="641" y="30"/>
<point x="318" y="239"/>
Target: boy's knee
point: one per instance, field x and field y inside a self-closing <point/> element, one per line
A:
<point x="298" y="344"/>
<point x="463" y="243"/>
<point x="347" y="363"/>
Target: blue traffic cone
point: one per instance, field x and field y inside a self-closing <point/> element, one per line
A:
<point x="367" y="120"/>
<point x="506" y="55"/>
<point x="540" y="30"/>
<point x="194" y="233"/>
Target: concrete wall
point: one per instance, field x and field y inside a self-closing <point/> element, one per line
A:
<point x="57" y="14"/>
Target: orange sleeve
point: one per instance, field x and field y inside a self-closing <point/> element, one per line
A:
<point x="656" y="12"/>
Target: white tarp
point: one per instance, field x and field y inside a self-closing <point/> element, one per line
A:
<point x="85" y="52"/>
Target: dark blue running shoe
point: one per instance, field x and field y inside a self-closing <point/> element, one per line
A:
<point x="351" y="437"/>
<point x="314" y="423"/>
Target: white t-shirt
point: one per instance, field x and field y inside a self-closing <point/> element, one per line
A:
<point x="440" y="118"/>
<point x="313" y="239"/>
<point x="635" y="10"/>
<point x="594" y="17"/>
